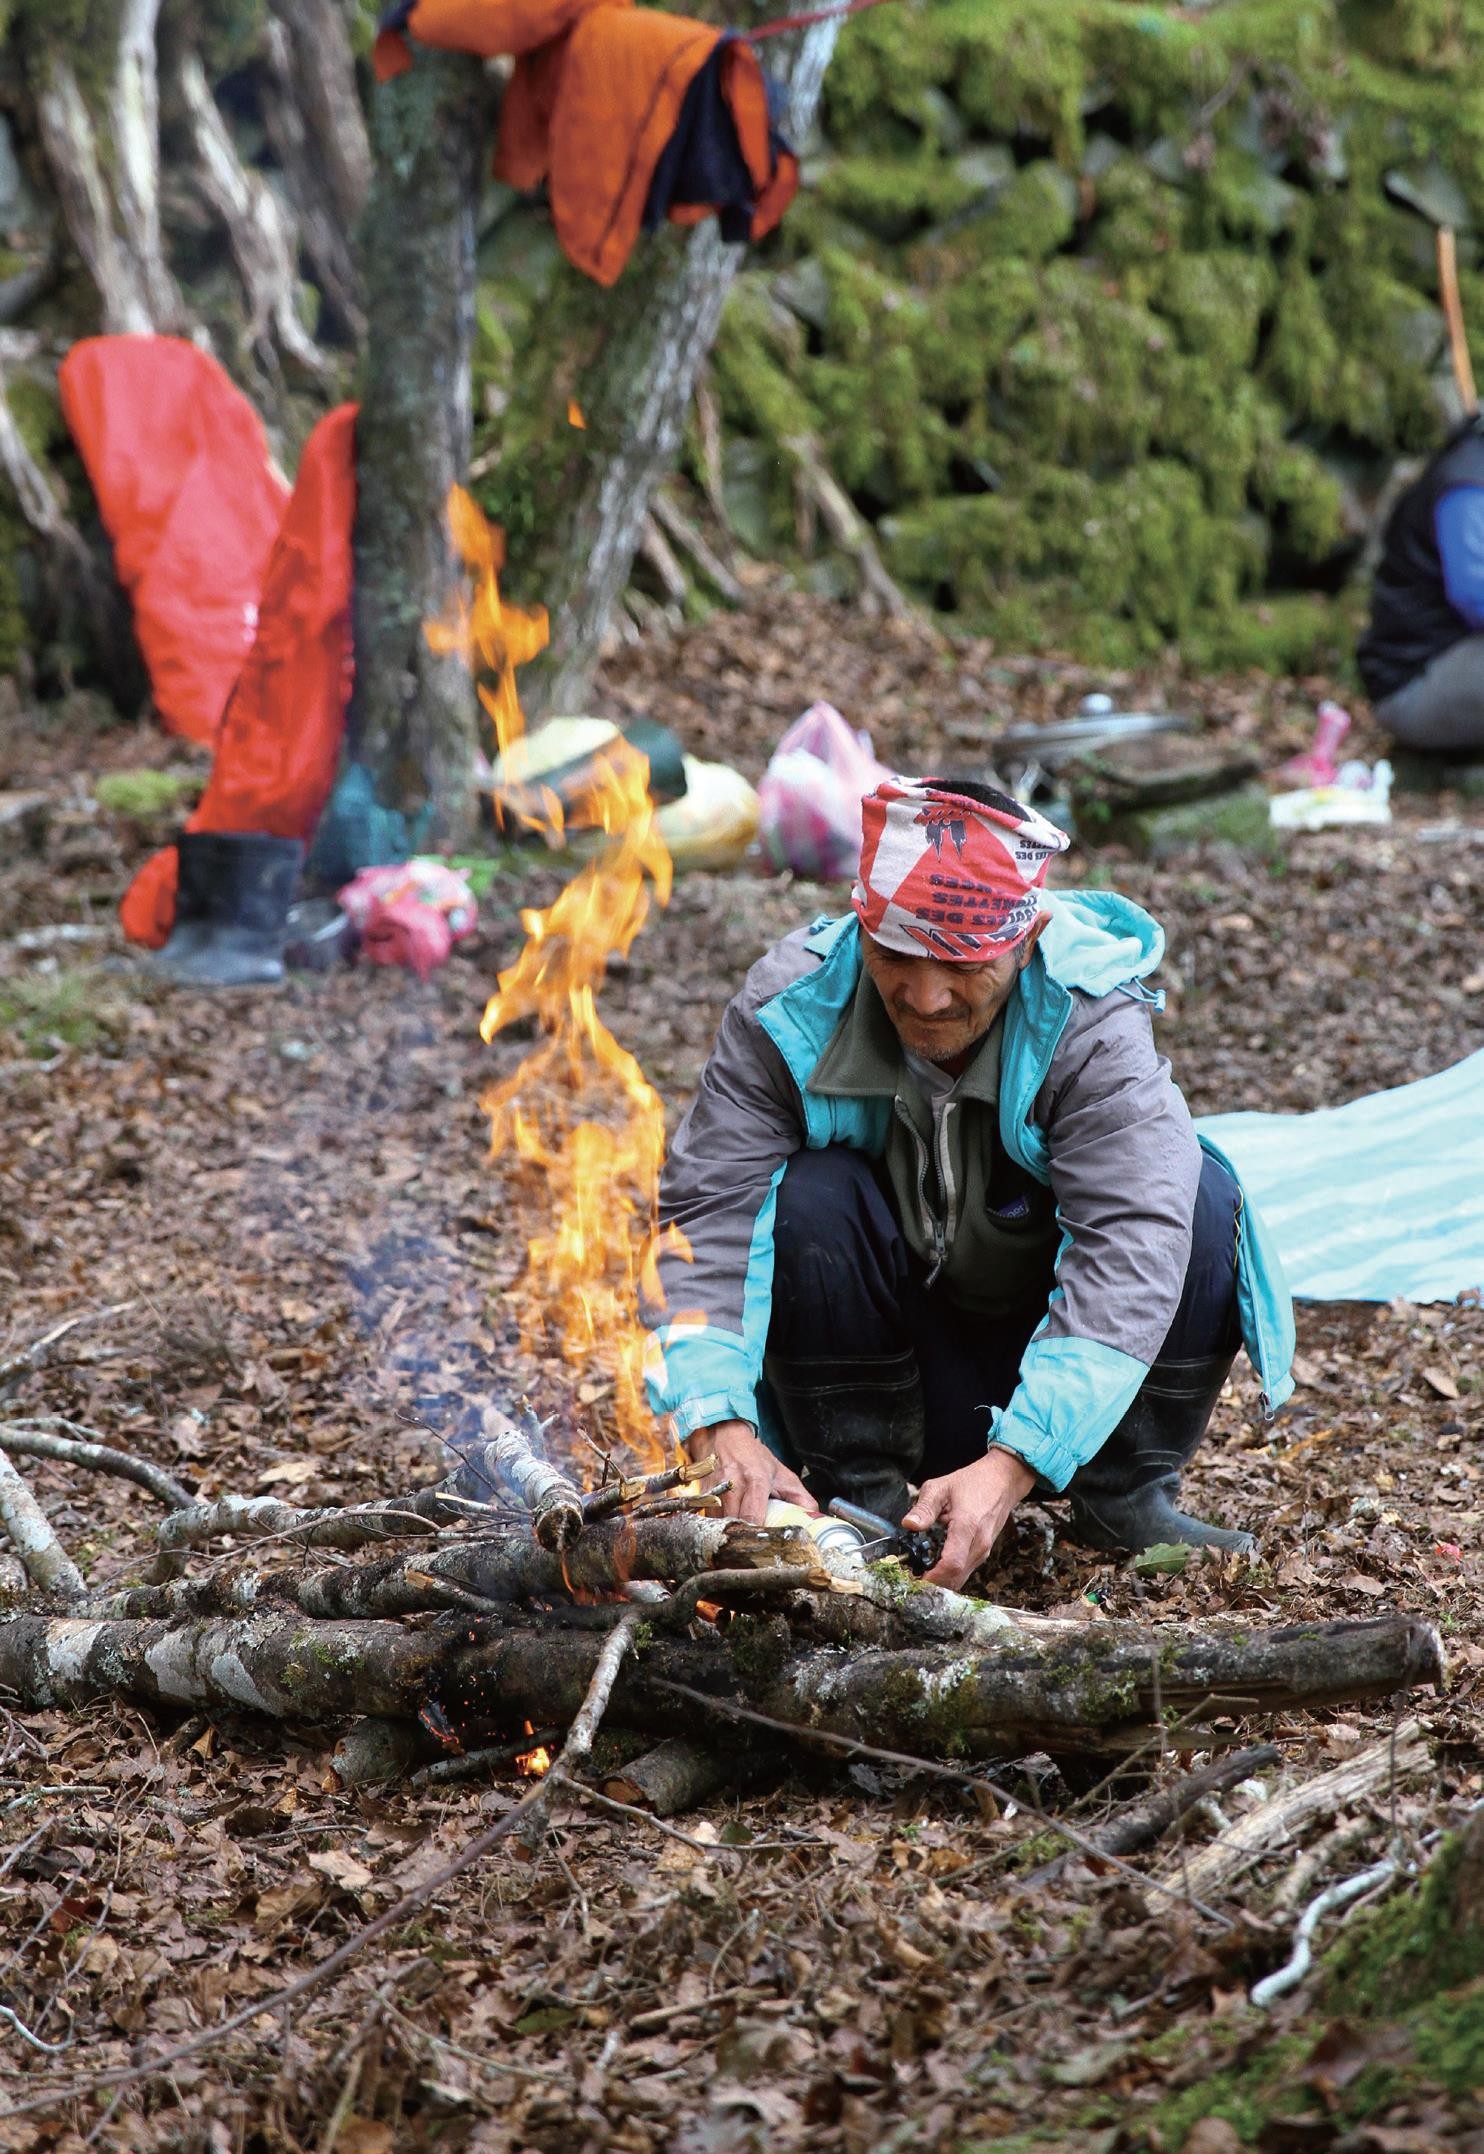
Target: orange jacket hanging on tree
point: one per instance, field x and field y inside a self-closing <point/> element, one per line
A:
<point x="280" y="738"/>
<point x="628" y="114"/>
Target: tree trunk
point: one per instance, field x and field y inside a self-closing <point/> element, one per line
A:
<point x="314" y="121"/>
<point x="1062" y="1694"/>
<point x="110" y="191"/>
<point x="412" y="719"/>
<point x="629" y="359"/>
<point x="262" y="232"/>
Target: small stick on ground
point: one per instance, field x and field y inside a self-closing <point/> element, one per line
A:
<point x="32" y="1437"/>
<point x="48" y="1565"/>
<point x="690" y="540"/>
<point x="1274" y="1827"/>
<point x="849" y="1746"/>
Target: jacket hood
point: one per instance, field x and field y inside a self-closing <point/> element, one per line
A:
<point x="1096" y="941"/>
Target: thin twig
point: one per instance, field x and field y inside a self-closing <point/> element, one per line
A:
<point x="849" y="1746"/>
<point x="663" y="2015"/>
<point x="673" y="1832"/>
<point x="472" y="2056"/>
<point x="580" y="1736"/>
<point x="32" y="1356"/>
<point x="474" y="1763"/>
<point x="679" y="1609"/>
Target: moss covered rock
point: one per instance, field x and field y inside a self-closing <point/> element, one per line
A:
<point x="1112" y="292"/>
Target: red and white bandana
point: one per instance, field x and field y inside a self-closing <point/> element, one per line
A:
<point x="944" y="875"/>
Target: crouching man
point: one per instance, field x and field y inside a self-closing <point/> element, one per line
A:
<point x="950" y="1227"/>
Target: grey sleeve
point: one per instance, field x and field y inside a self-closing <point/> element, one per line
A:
<point x="744" y="1124"/>
<point x="1125" y="1167"/>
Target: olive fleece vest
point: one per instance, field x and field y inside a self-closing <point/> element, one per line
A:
<point x="985" y="1229"/>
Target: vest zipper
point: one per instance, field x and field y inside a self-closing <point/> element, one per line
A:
<point x="945" y="1177"/>
<point x="932" y="1226"/>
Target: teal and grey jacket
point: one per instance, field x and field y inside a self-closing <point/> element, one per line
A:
<point x="1082" y="1104"/>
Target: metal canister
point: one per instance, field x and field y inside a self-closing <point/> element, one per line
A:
<point x="836" y="1538"/>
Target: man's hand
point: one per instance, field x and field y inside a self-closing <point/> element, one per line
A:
<point x="750" y="1466"/>
<point x="973" y="1504"/>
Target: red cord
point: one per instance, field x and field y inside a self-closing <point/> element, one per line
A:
<point x="802" y="22"/>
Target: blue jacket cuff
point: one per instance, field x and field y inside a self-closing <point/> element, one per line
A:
<point x="1071" y="1396"/>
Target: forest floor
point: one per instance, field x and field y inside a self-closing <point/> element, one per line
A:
<point x="291" y="1194"/>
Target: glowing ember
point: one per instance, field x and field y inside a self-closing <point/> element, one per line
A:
<point x="534" y="1764"/>
<point x="579" y="1109"/>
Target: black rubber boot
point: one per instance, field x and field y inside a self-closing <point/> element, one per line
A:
<point x="857" y="1427"/>
<point x="231" y="909"/>
<point x="1124" y="1497"/>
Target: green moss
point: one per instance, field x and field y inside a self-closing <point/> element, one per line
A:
<point x="1034" y="217"/>
<point x="83" y="32"/>
<point x="1138" y="217"/>
<point x="1021" y="68"/>
<point x="148" y="794"/>
<point x="1415" y="1943"/>
<point x="894" y="197"/>
<point x="1216" y="301"/>
<point x="1306" y="501"/>
<point x="45" y="1012"/>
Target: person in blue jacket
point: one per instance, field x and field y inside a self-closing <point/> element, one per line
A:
<point x="937" y="1229"/>
<point x="1422" y="656"/>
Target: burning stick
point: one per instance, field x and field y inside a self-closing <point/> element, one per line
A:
<point x="636" y="1488"/>
<point x="506" y="1454"/>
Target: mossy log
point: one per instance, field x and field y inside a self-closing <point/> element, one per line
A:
<point x="1059" y="1694"/>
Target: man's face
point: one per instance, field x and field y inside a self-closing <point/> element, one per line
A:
<point x="940" y="1011"/>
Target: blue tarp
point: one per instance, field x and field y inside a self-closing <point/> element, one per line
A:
<point x="1379" y="1199"/>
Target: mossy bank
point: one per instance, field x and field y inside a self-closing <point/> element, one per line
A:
<point x="1110" y="315"/>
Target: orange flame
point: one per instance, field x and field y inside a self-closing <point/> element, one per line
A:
<point x="579" y="1109"/>
<point x="534" y="1764"/>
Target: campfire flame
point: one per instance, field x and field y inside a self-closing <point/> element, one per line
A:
<point x="533" y="1764"/>
<point x="579" y="1109"/>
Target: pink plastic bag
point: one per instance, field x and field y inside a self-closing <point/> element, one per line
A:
<point x="811" y="796"/>
<point x="411" y="914"/>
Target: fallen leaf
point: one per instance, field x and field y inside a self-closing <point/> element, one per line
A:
<point x="294" y="1471"/>
<point x="1166" y="1559"/>
<point x="342" y="1869"/>
<point x="1445" y="1385"/>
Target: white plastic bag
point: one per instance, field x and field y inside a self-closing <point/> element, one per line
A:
<point x="811" y="795"/>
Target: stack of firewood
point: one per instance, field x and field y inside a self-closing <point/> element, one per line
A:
<point x="459" y="1622"/>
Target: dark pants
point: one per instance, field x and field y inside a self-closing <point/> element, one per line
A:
<point x="847" y="1286"/>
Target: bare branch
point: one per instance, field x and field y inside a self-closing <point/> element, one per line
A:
<point x="32" y="1438"/>
<point x="48" y="1564"/>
